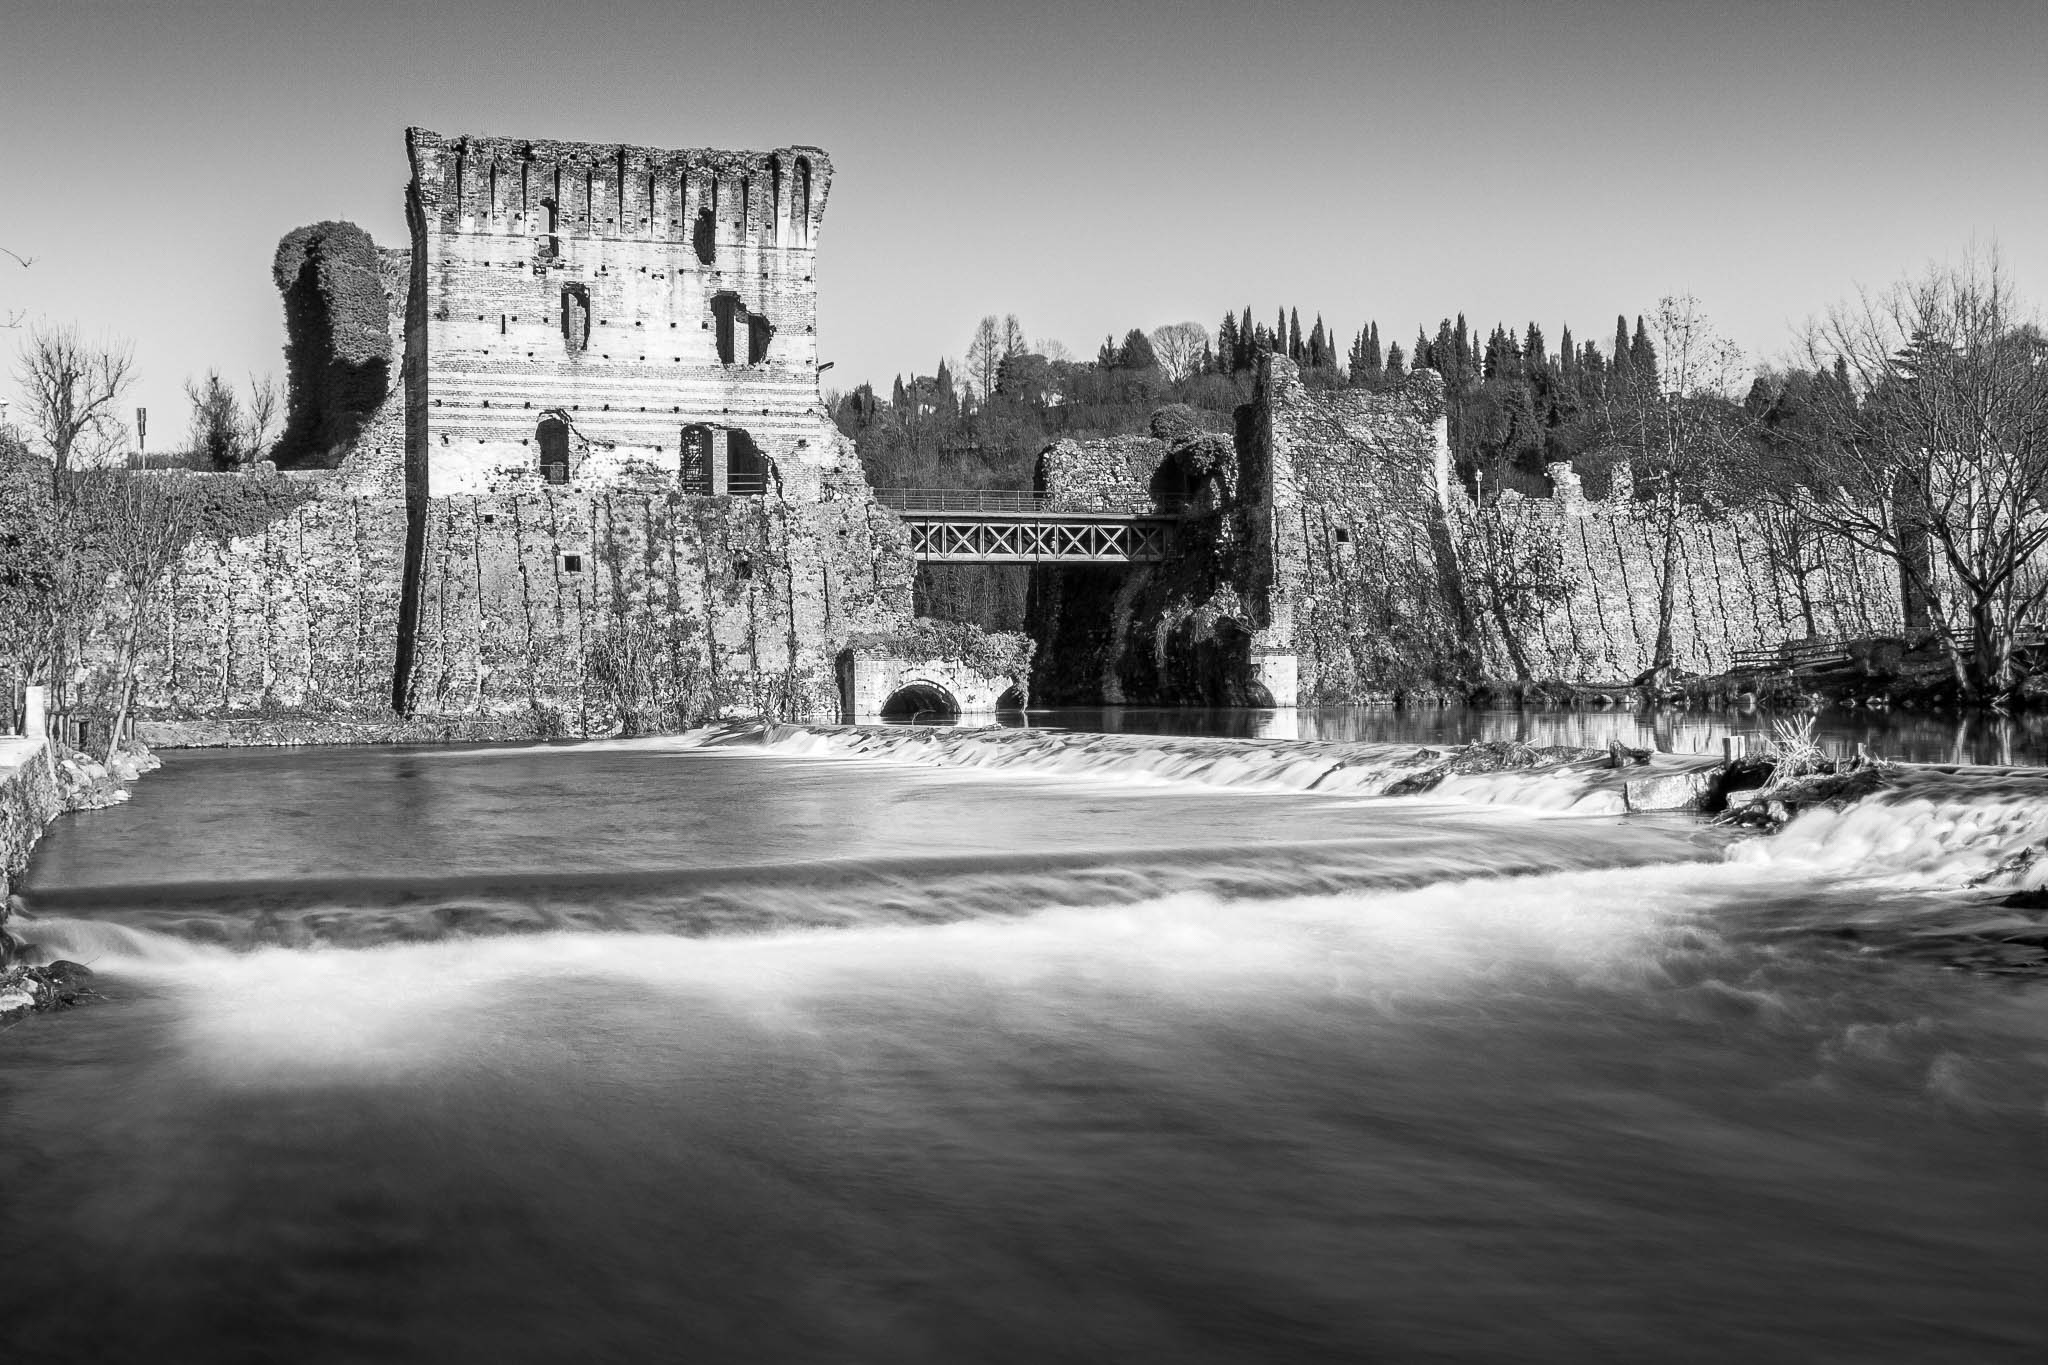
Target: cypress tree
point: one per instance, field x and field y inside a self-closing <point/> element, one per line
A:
<point x="1567" y="358"/>
<point x="1397" y="364"/>
<point x="1535" y="355"/>
<point x="1642" y="356"/>
<point x="1619" y="367"/>
<point x="1424" y="357"/>
<point x="1294" y="335"/>
<point x="1319" y="357"/>
<point x="1372" y="351"/>
<point x="1226" y="345"/>
<point x="1247" y="343"/>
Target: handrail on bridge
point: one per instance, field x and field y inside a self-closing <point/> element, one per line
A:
<point x="1003" y="500"/>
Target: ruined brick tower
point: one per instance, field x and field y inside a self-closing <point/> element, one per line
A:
<point x="593" y="313"/>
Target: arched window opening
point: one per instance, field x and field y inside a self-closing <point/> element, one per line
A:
<point x="550" y="238"/>
<point x="704" y="236"/>
<point x="576" y="317"/>
<point x="920" y="704"/>
<point x="695" y="468"/>
<point x="552" y="436"/>
<point x="800" y="206"/>
<point x="746" y="202"/>
<point x="760" y="332"/>
<point x="775" y="195"/>
<point x="747" y="470"/>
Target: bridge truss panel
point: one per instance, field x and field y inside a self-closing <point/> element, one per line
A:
<point x="1038" y="539"/>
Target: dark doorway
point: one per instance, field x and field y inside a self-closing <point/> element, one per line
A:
<point x="747" y="470"/>
<point x="552" y="436"/>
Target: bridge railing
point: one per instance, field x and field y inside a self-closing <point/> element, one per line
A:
<point x="1001" y="500"/>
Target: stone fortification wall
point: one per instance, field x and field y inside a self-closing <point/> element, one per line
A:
<point x="592" y="607"/>
<point x="29" y="800"/>
<point x="1349" y="547"/>
<point x="1120" y="474"/>
<point x="291" y="600"/>
<point x="1740" y="583"/>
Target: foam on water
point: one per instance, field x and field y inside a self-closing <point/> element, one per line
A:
<point x="277" y="1012"/>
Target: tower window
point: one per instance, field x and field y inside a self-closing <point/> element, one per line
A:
<point x="576" y="316"/>
<point x="704" y="236"/>
<point x="731" y="316"/>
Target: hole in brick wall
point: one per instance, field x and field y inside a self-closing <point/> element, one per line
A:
<point x="742" y="568"/>
<point x="1343" y="535"/>
<point x="572" y="563"/>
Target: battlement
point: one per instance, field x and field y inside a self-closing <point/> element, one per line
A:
<point x="599" y="313"/>
<point x="543" y="187"/>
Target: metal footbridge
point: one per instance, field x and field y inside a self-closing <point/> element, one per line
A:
<point x="981" y="526"/>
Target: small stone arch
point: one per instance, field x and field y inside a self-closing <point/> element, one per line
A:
<point x="920" y="703"/>
<point x="1012" y="699"/>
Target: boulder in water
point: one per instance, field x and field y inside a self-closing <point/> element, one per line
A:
<point x="28" y="990"/>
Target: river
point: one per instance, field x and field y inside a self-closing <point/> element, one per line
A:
<point x="1030" y="1045"/>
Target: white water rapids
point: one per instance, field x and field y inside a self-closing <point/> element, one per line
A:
<point x="832" y="1044"/>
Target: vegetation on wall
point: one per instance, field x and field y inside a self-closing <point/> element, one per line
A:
<point x="338" y="340"/>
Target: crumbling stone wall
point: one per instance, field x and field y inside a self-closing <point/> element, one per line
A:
<point x="1599" y="563"/>
<point x="292" y="603"/>
<point x="1344" y="564"/>
<point x="598" y="608"/>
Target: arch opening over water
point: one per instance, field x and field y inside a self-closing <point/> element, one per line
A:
<point x="921" y="704"/>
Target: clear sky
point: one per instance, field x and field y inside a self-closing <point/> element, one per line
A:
<point x="1088" y="165"/>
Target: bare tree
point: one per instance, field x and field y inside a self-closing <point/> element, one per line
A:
<point x="1179" y="347"/>
<point x="261" y="428"/>
<point x="146" y="521"/>
<point x="15" y="315"/>
<point x="995" y="340"/>
<point x="1681" y="433"/>
<point x="1927" y="443"/>
<point x="74" y="390"/>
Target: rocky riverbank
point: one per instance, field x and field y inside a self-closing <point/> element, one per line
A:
<point x="38" y="782"/>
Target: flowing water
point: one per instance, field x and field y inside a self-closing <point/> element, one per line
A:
<point x="1016" y="1046"/>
